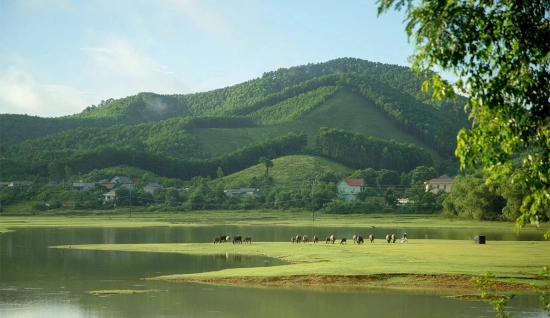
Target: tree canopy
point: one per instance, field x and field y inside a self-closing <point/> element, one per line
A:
<point x="500" y="53"/>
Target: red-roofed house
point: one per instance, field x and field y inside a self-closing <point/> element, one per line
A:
<point x="348" y="188"/>
<point x="434" y="185"/>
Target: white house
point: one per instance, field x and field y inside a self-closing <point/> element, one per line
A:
<point x="110" y="196"/>
<point x="349" y="188"/>
<point x="242" y="191"/>
<point x="434" y="185"/>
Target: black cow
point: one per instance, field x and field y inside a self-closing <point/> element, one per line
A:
<point x="315" y="239"/>
<point x="343" y="241"/>
<point x="359" y="239"/>
<point x="293" y="239"/>
<point x="248" y="239"/>
<point x="217" y="239"/>
<point x="393" y="238"/>
<point x="237" y="239"/>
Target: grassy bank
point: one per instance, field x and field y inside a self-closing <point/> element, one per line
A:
<point x="121" y="218"/>
<point x="423" y="264"/>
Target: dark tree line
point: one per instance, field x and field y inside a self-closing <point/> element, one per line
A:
<point x="359" y="152"/>
<point x="83" y="162"/>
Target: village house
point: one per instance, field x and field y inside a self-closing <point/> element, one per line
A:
<point x="151" y="187"/>
<point x="123" y="180"/>
<point x="348" y="189"/>
<point x="20" y="183"/>
<point x="83" y="186"/>
<point x="110" y="196"/>
<point x="437" y="184"/>
<point x="242" y="191"/>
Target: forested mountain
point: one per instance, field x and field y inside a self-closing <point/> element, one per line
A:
<point x="183" y="136"/>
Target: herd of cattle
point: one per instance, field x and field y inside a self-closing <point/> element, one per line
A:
<point x="357" y="239"/>
<point x="236" y="239"/>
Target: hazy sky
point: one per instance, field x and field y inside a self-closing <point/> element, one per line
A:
<point x="59" y="56"/>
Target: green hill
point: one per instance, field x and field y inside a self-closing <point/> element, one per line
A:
<point x="181" y="136"/>
<point x="344" y="110"/>
<point x="288" y="170"/>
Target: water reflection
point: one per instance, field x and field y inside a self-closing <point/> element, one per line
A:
<point x="36" y="281"/>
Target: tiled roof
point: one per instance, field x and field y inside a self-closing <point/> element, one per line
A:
<point x="354" y="182"/>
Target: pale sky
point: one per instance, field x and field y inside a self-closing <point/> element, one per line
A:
<point x="59" y="56"/>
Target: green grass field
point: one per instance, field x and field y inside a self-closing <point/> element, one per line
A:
<point x="443" y="264"/>
<point x="121" y="218"/>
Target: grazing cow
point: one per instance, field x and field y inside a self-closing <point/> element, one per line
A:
<point x="293" y="239"/>
<point x="315" y="239"/>
<point x="332" y="238"/>
<point x="298" y="238"/>
<point x="228" y="239"/>
<point x="327" y="240"/>
<point x="248" y="239"/>
<point x="217" y="239"/>
<point x="343" y="241"/>
<point x="388" y="238"/>
<point x="371" y="238"/>
<point x="393" y="238"/>
<point x="305" y="239"/>
<point x="237" y="239"/>
<point x="359" y="239"/>
<point x="354" y="237"/>
<point x="223" y="238"/>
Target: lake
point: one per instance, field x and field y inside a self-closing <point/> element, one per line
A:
<point x="36" y="281"/>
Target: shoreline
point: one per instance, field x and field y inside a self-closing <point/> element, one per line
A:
<point x="438" y="284"/>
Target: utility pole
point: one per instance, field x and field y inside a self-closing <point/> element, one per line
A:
<point x="312" y="208"/>
<point x="131" y="202"/>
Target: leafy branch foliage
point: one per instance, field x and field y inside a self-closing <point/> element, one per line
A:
<point x="500" y="52"/>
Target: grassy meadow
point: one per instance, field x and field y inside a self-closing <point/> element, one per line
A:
<point x="423" y="264"/>
<point x="137" y="217"/>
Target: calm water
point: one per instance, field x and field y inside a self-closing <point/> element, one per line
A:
<point x="36" y="281"/>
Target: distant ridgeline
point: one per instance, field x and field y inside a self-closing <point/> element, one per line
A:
<point x="157" y="132"/>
